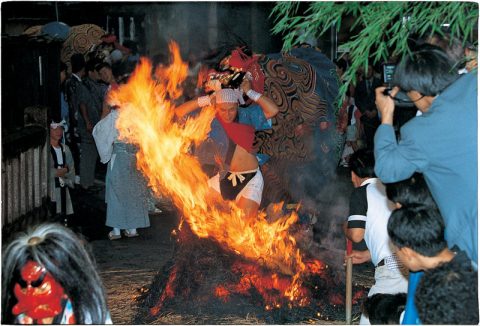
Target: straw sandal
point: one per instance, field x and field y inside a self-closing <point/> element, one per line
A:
<point x="129" y="234"/>
<point x="113" y="236"/>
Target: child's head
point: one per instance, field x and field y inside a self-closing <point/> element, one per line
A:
<point x="416" y="230"/>
<point x="384" y="309"/>
<point x="413" y="190"/>
<point x="448" y="294"/>
<point x="362" y="165"/>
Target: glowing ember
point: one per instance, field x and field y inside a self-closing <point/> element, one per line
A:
<point x="222" y="293"/>
<point x="146" y="119"/>
<point x="168" y="293"/>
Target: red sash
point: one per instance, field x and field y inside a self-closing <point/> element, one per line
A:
<point x="240" y="133"/>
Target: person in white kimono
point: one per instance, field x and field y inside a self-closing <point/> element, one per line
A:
<point x="126" y="192"/>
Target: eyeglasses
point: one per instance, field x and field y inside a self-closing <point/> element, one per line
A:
<point x="401" y="100"/>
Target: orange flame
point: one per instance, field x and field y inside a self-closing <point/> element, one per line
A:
<point x="202" y="76"/>
<point x="146" y="119"/>
<point x="173" y="75"/>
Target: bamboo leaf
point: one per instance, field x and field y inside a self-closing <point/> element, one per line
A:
<point x="385" y="26"/>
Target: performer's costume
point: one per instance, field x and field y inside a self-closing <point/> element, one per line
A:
<point x="58" y="186"/>
<point x="304" y="85"/>
<point x="126" y="192"/>
<point x="226" y="137"/>
<point x="61" y="156"/>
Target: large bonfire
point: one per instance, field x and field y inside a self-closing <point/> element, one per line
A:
<point x="147" y="120"/>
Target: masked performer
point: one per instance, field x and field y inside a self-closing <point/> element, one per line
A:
<point x="233" y="129"/>
<point x="48" y="277"/>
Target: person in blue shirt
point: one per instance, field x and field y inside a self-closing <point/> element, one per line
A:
<point x="411" y="192"/>
<point x="418" y="232"/>
<point x="441" y="143"/>
<point x="448" y="294"/>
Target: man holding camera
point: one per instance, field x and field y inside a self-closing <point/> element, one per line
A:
<point x="441" y="143"/>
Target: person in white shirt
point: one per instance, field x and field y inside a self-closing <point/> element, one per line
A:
<point x="370" y="210"/>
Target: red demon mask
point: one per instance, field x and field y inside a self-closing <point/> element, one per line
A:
<point x="39" y="295"/>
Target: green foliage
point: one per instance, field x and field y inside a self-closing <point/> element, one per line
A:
<point x="385" y="26"/>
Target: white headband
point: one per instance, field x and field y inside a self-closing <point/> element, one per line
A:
<point x="55" y="125"/>
<point x="228" y="95"/>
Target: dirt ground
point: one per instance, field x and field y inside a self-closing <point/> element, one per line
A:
<point x="128" y="265"/>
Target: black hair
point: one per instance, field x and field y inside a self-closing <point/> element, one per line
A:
<point x="90" y="66"/>
<point x="341" y="63"/>
<point x="384" y="308"/>
<point x="471" y="46"/>
<point x="428" y="71"/>
<point x="446" y="41"/>
<point x="418" y="227"/>
<point x="101" y="65"/>
<point x="448" y="294"/>
<point x="122" y="71"/>
<point x="362" y="163"/>
<point x="230" y="43"/>
<point x="132" y="45"/>
<point x="413" y="190"/>
<point x="69" y="262"/>
<point x="78" y="62"/>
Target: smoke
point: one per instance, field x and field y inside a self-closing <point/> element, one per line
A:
<point x="324" y="191"/>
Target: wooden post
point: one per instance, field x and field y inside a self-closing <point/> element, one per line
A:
<point x="348" y="283"/>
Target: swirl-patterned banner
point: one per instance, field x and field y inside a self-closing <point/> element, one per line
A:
<point x="81" y="39"/>
<point x="291" y="83"/>
<point x="304" y="85"/>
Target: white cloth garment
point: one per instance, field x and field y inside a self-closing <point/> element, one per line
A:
<point x="105" y="134"/>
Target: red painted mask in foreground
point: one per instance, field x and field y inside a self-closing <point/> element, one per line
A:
<point x="40" y="297"/>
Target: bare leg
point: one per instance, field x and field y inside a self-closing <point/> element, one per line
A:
<point x="249" y="206"/>
<point x="215" y="200"/>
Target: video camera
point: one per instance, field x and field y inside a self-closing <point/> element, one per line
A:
<point x="388" y="73"/>
<point x="408" y="109"/>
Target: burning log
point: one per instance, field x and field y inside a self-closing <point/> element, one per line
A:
<point x="204" y="279"/>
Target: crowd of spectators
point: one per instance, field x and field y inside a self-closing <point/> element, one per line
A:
<point x="413" y="212"/>
<point x="84" y="95"/>
<point x="429" y="167"/>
